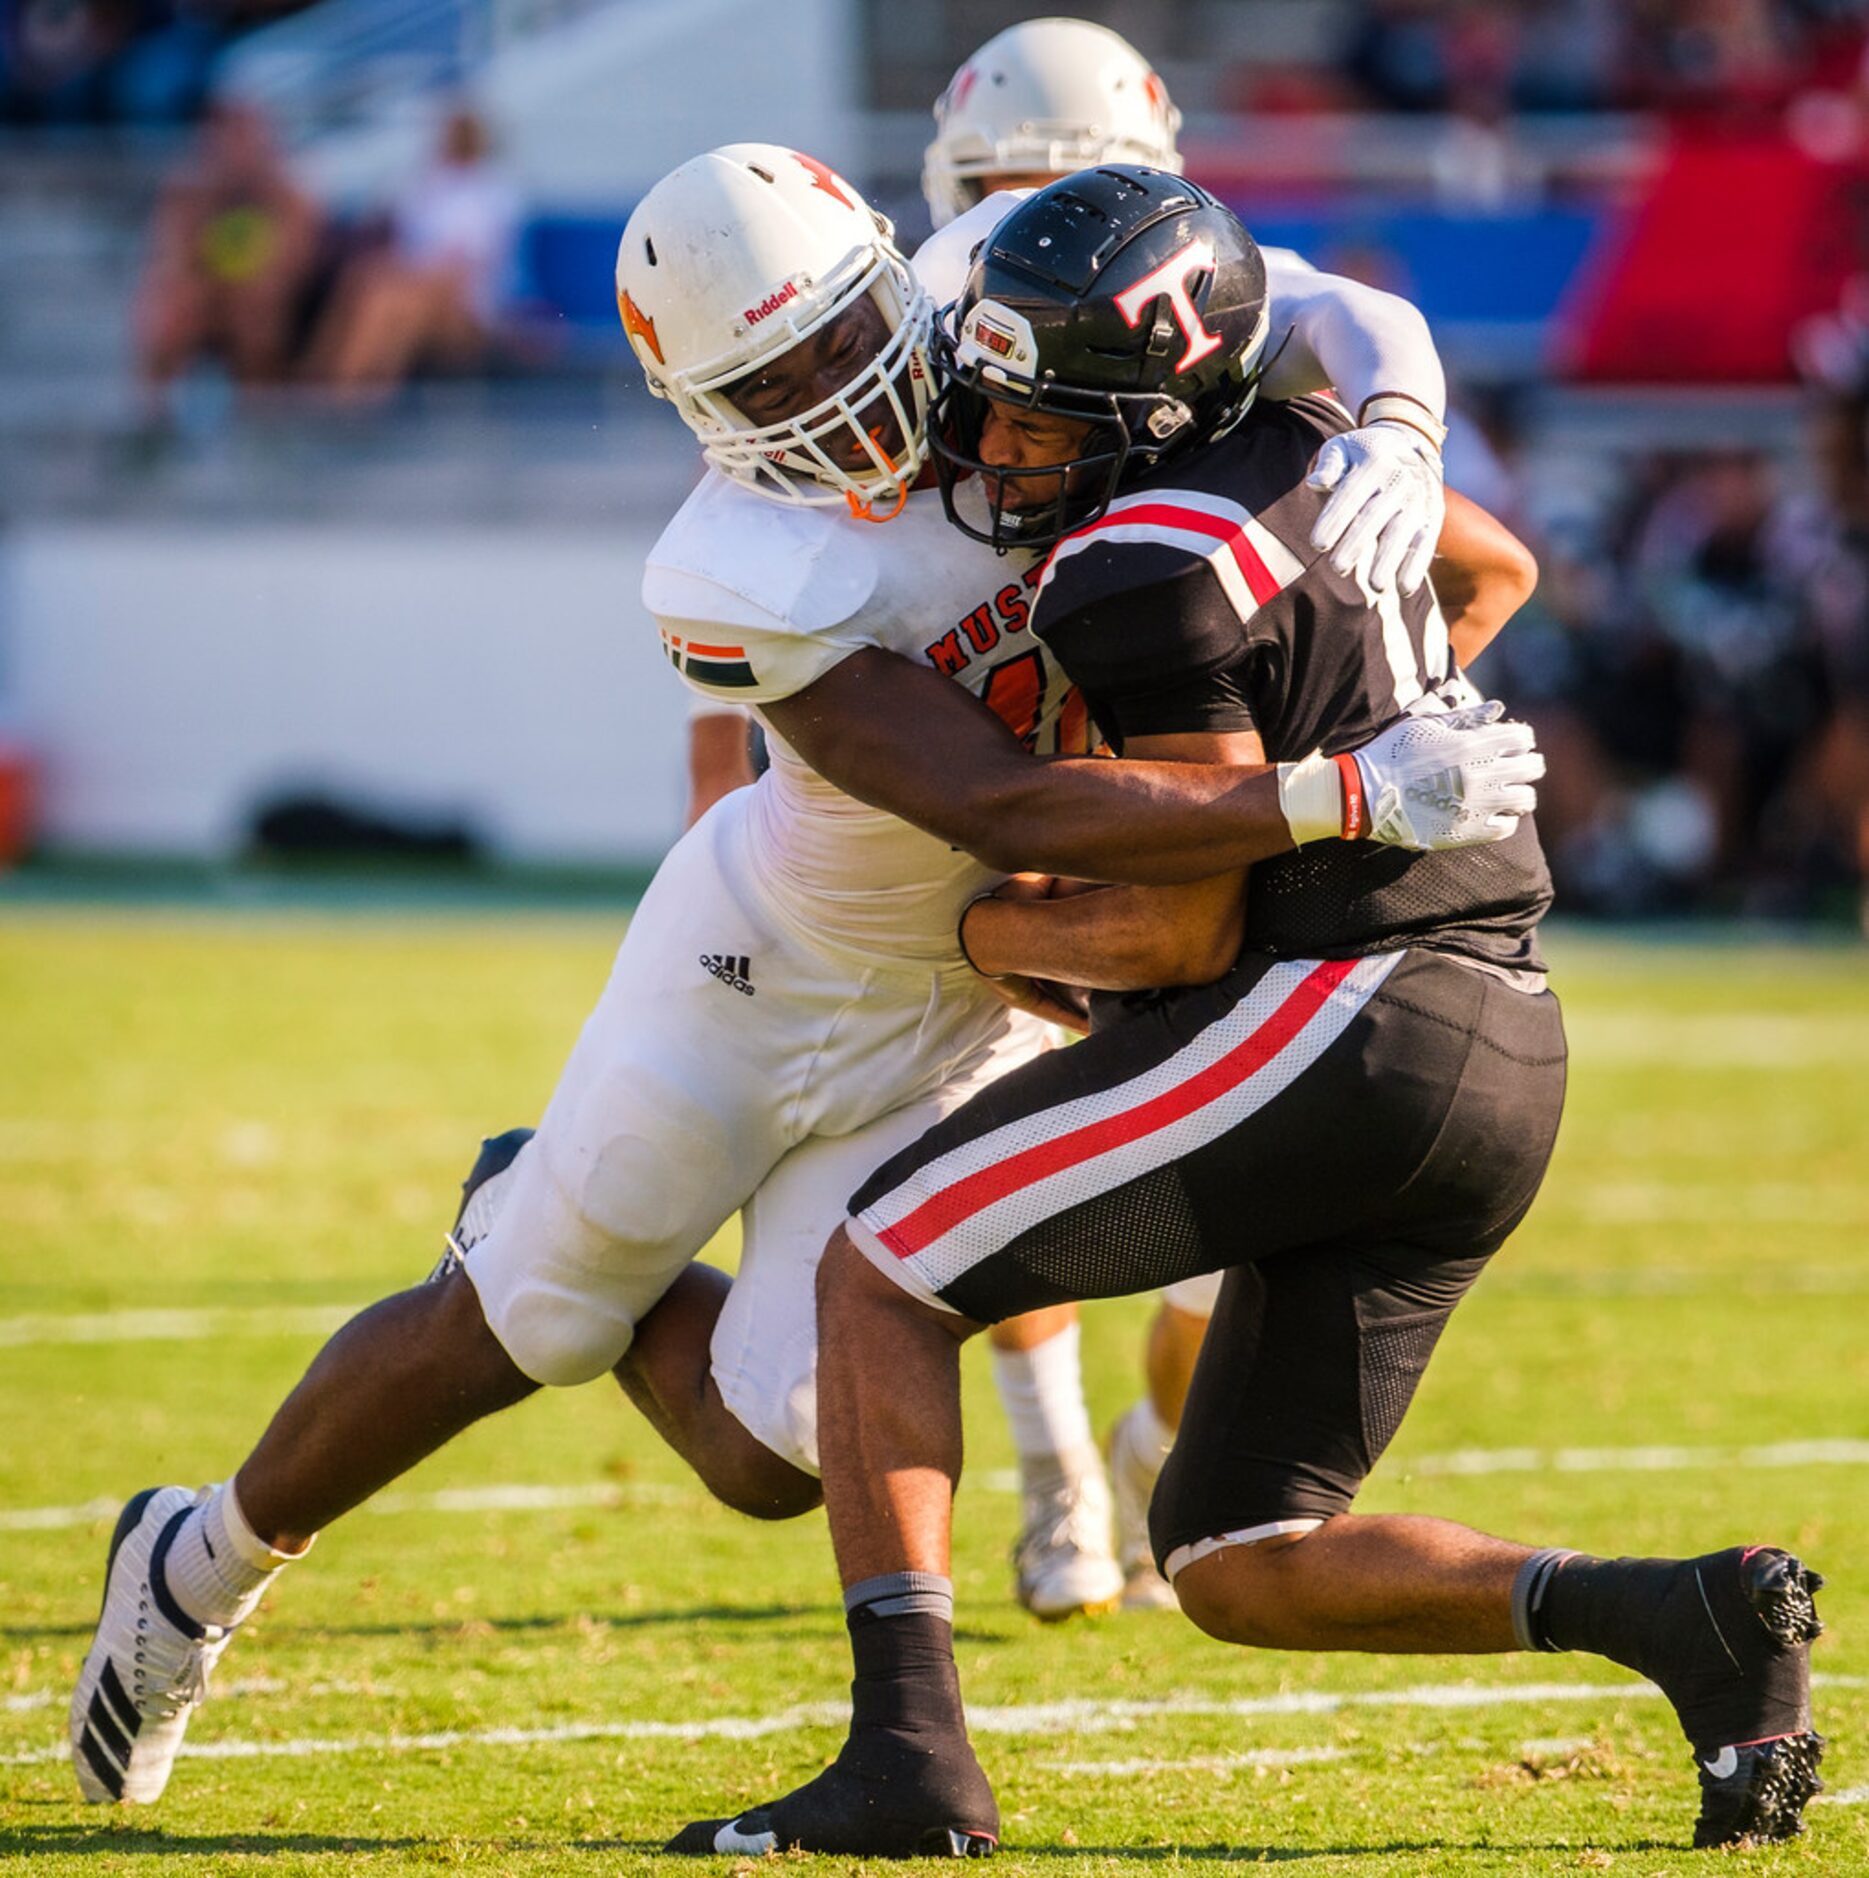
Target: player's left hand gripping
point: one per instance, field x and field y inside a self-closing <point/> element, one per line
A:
<point x="1383" y="519"/>
<point x="1450" y="779"/>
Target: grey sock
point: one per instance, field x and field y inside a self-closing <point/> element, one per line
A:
<point x="896" y="1594"/>
<point x="1528" y="1595"/>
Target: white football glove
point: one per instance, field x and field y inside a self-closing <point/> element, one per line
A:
<point x="1439" y="779"/>
<point x="1383" y="519"/>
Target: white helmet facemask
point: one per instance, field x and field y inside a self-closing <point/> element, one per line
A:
<point x="732" y="261"/>
<point x="792" y="460"/>
<point x="1045" y="98"/>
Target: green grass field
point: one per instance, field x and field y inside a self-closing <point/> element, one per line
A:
<point x="217" y="1134"/>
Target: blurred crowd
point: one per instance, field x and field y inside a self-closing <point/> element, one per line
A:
<point x="1697" y="657"/>
<point x="247" y="270"/>
<point x="118" y="61"/>
<point x="1584" y="55"/>
<point x="1697" y="662"/>
<point x="149" y="61"/>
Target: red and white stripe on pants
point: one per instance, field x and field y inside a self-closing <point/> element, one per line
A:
<point x="968" y="1203"/>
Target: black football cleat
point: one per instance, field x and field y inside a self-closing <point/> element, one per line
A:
<point x="885" y="1796"/>
<point x="1732" y="1650"/>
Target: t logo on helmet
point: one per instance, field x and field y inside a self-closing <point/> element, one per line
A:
<point x="1171" y="280"/>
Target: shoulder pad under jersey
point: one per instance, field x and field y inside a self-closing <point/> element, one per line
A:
<point x="944" y="260"/>
<point x="1286" y="265"/>
<point x="802" y="570"/>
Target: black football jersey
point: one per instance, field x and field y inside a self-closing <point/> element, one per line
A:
<point x="1196" y="603"/>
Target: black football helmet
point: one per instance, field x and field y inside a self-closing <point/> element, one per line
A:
<point x="1125" y="297"/>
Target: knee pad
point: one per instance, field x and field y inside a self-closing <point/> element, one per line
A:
<point x="558" y="1336"/>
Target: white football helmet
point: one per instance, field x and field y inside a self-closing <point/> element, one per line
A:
<point x="1045" y="98"/>
<point x="730" y="261"/>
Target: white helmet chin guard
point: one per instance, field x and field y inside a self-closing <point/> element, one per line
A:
<point x="1046" y="98"/>
<point x="733" y="259"/>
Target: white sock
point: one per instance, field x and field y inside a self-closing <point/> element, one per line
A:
<point x="219" y="1567"/>
<point x="1043" y="1390"/>
<point x="1148" y="1435"/>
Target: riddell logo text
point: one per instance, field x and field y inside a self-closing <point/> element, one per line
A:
<point x="771" y="304"/>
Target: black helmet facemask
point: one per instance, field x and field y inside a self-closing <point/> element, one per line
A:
<point x="1023" y="508"/>
<point x="1124" y="298"/>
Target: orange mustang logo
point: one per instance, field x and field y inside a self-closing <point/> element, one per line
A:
<point x="638" y="324"/>
<point x="825" y="178"/>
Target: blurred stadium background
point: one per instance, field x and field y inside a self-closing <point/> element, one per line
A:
<point x="298" y="562"/>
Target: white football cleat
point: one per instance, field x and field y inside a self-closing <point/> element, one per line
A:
<point x="149" y="1663"/>
<point x="1062" y="1560"/>
<point x="1135" y="1461"/>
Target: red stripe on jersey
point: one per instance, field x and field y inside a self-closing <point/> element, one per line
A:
<point x="1260" y="579"/>
<point x="974" y="1193"/>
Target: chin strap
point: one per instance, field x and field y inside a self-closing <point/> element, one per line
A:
<point x="865" y="511"/>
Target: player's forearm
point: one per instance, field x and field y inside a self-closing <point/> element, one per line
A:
<point x="1145" y="824"/>
<point x="1117" y="939"/>
<point x="902" y="738"/>
<point x="1483" y="574"/>
<point x="1358" y="339"/>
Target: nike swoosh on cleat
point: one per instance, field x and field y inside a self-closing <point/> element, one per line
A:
<point x="1724" y="1765"/>
<point x="731" y="1839"/>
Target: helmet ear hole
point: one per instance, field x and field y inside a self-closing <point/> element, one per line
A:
<point x="648" y="249"/>
<point x="765" y="176"/>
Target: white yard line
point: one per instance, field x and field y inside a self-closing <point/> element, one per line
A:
<point x="1206" y="1764"/>
<point x="223" y="1691"/>
<point x="1050" y="1718"/>
<point x="1630" y="1202"/>
<point x="511" y="1497"/>
<point x="522" y="1497"/>
<point x="1654" y="1459"/>
<point x="216" y="1322"/>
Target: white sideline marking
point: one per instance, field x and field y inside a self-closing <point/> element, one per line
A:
<point x="1297" y="1757"/>
<point x="520" y="1497"/>
<point x="282" y="1320"/>
<point x="246" y="1685"/>
<point x="1207" y="1764"/>
<point x="1079" y="1717"/>
<point x="511" y="1498"/>
<point x="1048" y="1718"/>
<point x="1844" y="1796"/>
<point x="1637" y="1460"/>
<point x="1633" y="1202"/>
<point x="52" y="1518"/>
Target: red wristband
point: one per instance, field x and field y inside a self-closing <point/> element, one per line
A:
<point x="1353" y="806"/>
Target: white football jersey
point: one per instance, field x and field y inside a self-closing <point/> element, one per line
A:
<point x="755" y="601"/>
<point x="944" y="260"/>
